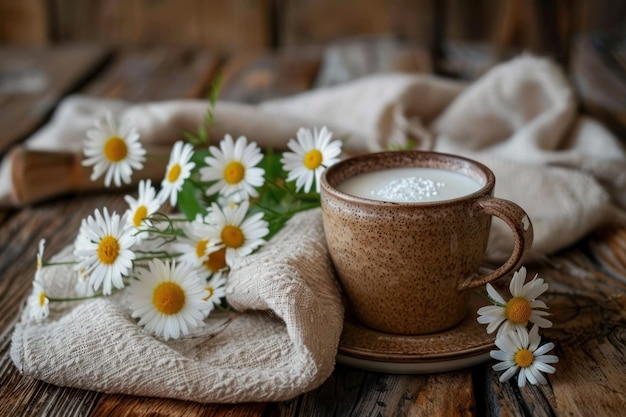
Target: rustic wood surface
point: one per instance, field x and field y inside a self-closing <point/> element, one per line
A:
<point x="587" y="295"/>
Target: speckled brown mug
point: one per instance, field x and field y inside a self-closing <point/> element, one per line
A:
<point x="406" y="267"/>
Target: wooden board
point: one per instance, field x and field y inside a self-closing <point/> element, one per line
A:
<point x="33" y="80"/>
<point x="156" y="73"/>
<point x="252" y="78"/>
<point x="313" y="22"/>
<point x="234" y="25"/>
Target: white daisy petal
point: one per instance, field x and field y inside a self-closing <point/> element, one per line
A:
<point x="177" y="171"/>
<point x="168" y="299"/>
<point x="103" y="250"/>
<point x="312" y="153"/>
<point x="233" y="167"/>
<point x="113" y="151"/>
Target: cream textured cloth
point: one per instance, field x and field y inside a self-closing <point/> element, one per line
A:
<point x="568" y="172"/>
<point x="281" y="342"/>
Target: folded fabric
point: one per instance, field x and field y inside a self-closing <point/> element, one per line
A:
<point x="280" y="343"/>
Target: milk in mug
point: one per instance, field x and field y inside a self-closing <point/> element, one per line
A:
<point x="410" y="185"/>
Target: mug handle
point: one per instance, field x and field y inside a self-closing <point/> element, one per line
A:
<point x="519" y="222"/>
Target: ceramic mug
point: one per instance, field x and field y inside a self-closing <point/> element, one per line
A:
<point x="408" y="267"/>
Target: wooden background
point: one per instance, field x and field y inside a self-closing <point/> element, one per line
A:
<point x="543" y="26"/>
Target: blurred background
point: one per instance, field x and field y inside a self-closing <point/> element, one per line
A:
<point x="456" y="38"/>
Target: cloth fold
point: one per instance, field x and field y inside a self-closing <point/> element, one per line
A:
<point x="567" y="171"/>
<point x="280" y="343"/>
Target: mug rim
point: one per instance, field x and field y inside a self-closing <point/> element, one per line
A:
<point x="485" y="189"/>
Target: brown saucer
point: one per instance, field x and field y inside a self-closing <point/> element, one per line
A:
<point x="464" y="345"/>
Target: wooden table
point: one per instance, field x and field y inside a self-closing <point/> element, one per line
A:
<point x="587" y="295"/>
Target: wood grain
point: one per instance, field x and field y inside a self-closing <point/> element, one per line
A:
<point x="156" y="73"/>
<point x="236" y="25"/>
<point x="33" y="80"/>
<point x="126" y="406"/>
<point x="255" y="77"/>
<point x="312" y="22"/>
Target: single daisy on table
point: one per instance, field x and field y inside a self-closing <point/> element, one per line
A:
<point x="168" y="299"/>
<point x="103" y="247"/>
<point x="38" y="302"/>
<point x="312" y="153"/>
<point x="520" y="309"/>
<point x="236" y="233"/>
<point x="114" y="150"/>
<point x="520" y="350"/>
<point x="233" y="167"/>
<point x="177" y="171"/>
<point x="216" y="291"/>
<point x="142" y="207"/>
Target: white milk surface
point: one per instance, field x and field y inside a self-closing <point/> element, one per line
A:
<point x="409" y="185"/>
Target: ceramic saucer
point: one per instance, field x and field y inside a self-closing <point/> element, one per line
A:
<point x="462" y="346"/>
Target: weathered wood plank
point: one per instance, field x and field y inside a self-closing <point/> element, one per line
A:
<point x="252" y="78"/>
<point x="156" y="73"/>
<point x="126" y="406"/>
<point x="32" y="80"/>
<point x="313" y="22"/>
<point x="350" y="392"/>
<point x="233" y="25"/>
<point x="23" y="22"/>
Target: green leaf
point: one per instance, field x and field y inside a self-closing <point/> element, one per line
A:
<point x="189" y="202"/>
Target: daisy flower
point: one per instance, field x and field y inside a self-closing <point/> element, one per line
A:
<point x="520" y="350"/>
<point x="216" y="289"/>
<point x="168" y="299"/>
<point x="233" y="167"/>
<point x="103" y="248"/>
<point x="177" y="171"/>
<point x="312" y="153"/>
<point x="114" y="150"/>
<point x="195" y="245"/>
<point x="520" y="309"/>
<point x="236" y="233"/>
<point x="143" y="207"/>
<point x="37" y="303"/>
<point x="215" y="262"/>
<point x="39" y="265"/>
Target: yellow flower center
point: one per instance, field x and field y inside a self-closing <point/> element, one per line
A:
<point x="518" y="310"/>
<point x="313" y="159"/>
<point x="115" y="149"/>
<point x="234" y="172"/>
<point x="201" y="247"/>
<point x="174" y="173"/>
<point x="38" y="263"/>
<point x="42" y="299"/>
<point x="211" y="291"/>
<point x="524" y="358"/>
<point x="216" y="261"/>
<point x="168" y="298"/>
<point x="140" y="214"/>
<point x="232" y="236"/>
<point x="108" y="250"/>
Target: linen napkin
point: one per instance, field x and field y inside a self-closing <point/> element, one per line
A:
<point x="567" y="171"/>
<point x="280" y="343"/>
